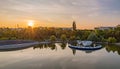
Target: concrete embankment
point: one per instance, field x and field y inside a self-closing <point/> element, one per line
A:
<point x="117" y="44"/>
<point x="17" y="46"/>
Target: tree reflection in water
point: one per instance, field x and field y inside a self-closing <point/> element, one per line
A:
<point x="52" y="46"/>
<point x="63" y="46"/>
<point x="74" y="51"/>
<point x="113" y="48"/>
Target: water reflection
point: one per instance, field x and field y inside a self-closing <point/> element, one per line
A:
<point x="63" y="46"/>
<point x="113" y="48"/>
<point x="45" y="58"/>
<point x="74" y="51"/>
<point x="86" y="51"/>
<point x="45" y="46"/>
<point x="52" y="46"/>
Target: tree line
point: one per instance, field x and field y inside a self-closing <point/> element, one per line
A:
<point x="53" y="34"/>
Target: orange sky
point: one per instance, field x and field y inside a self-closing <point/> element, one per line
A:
<point x="80" y="25"/>
<point x="61" y="13"/>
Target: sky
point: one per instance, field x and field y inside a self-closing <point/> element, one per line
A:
<point x="60" y="13"/>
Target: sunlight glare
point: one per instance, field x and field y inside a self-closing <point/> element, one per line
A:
<point x="31" y="23"/>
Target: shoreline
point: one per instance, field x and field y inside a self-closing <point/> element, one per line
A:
<point x="8" y="45"/>
<point x="117" y="44"/>
<point x="11" y="45"/>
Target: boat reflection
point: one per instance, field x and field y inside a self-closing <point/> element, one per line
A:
<point x="86" y="51"/>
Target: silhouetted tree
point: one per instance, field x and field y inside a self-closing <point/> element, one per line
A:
<point x="74" y="26"/>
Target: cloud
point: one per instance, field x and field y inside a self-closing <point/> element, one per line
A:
<point x="60" y="9"/>
<point x="46" y="4"/>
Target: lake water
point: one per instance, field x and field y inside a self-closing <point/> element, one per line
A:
<point x="60" y="56"/>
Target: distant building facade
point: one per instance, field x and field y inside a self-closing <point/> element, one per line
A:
<point x="118" y="25"/>
<point x="66" y="28"/>
<point x="104" y="28"/>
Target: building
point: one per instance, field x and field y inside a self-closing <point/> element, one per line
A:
<point x="66" y="28"/>
<point x="104" y="28"/>
<point x="118" y="25"/>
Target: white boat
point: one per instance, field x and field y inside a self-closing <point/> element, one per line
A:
<point x="86" y="45"/>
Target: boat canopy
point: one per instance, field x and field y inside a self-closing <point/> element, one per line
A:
<point x="84" y="43"/>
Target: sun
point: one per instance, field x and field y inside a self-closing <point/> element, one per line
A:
<point x="31" y="23"/>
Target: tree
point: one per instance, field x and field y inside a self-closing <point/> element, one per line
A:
<point x="74" y="26"/>
<point x="100" y="33"/>
<point x="78" y="38"/>
<point x="53" y="38"/>
<point x="93" y="37"/>
<point x="111" y="40"/>
<point x="118" y="27"/>
<point x="72" y="37"/>
<point x="85" y="34"/>
<point x="63" y="37"/>
<point x="117" y="35"/>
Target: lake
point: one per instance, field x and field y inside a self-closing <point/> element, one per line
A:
<point x="60" y="56"/>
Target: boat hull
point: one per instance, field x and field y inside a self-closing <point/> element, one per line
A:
<point x="86" y="48"/>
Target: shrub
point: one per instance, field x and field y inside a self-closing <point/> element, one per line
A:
<point x="72" y="37"/>
<point x="63" y="37"/>
<point x="53" y="38"/>
<point x="78" y="38"/>
<point x="4" y="38"/>
<point x="111" y="40"/>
